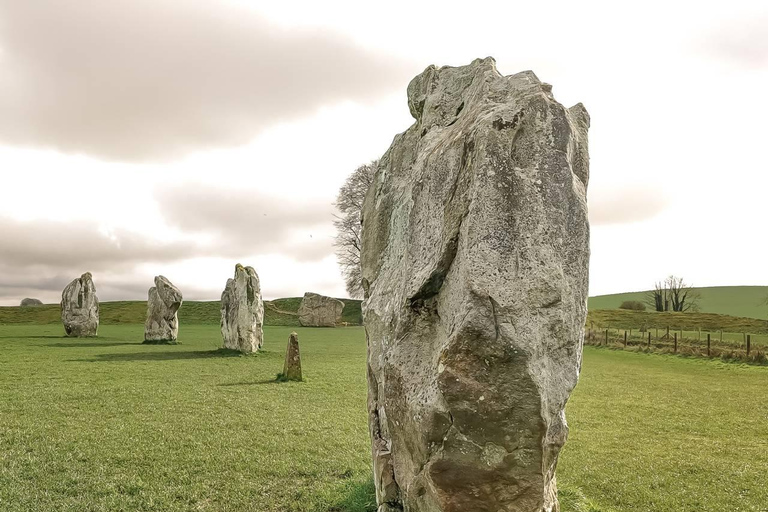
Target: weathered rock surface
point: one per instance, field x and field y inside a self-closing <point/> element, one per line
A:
<point x="292" y="366"/>
<point x="80" y="307"/>
<point x="475" y="266"/>
<point x="319" y="311"/>
<point x="242" y="311"/>
<point x="163" y="304"/>
<point x="30" y="302"/>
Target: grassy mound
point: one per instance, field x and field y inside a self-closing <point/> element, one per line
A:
<point x="739" y="301"/>
<point x="627" y="319"/>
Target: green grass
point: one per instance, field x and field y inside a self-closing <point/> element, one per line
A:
<point x="110" y="424"/>
<point x="276" y="312"/>
<point x="652" y="433"/>
<point x="745" y="301"/>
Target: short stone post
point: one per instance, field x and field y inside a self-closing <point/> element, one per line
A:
<point x="292" y="366"/>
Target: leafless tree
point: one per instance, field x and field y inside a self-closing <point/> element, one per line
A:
<point x="682" y="296"/>
<point x="349" y="202"/>
<point x="673" y="294"/>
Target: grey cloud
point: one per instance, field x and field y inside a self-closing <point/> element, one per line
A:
<point x="46" y="284"/>
<point x="140" y="80"/>
<point x="744" y="43"/>
<point x="38" y="258"/>
<point x="246" y="222"/>
<point x="72" y="245"/>
<point x="624" y="206"/>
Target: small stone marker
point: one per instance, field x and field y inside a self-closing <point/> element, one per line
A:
<point x="163" y="303"/>
<point x="80" y="307"/>
<point x="292" y="366"/>
<point x="242" y="311"/>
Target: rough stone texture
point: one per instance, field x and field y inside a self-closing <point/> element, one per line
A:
<point x="80" y="307"/>
<point x="475" y="267"/>
<point x="292" y="366"/>
<point x="163" y="303"/>
<point x="242" y="311"/>
<point x="319" y="311"/>
<point x="31" y="302"/>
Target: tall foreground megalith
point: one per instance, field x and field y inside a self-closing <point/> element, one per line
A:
<point x="475" y="267"/>
<point x="242" y="311"/>
<point x="80" y="307"/>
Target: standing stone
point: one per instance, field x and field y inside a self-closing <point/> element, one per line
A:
<point x="319" y="311"/>
<point x="163" y="303"/>
<point x="80" y="307"/>
<point x="292" y="366"/>
<point x="475" y="268"/>
<point x="242" y="311"/>
<point x="30" y="302"/>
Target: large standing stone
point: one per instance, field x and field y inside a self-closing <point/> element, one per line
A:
<point x="80" y="307"/>
<point x="242" y="311"/>
<point x="475" y="259"/>
<point x="163" y="303"/>
<point x="31" y="302"/>
<point x="319" y="311"/>
<point x="292" y="366"/>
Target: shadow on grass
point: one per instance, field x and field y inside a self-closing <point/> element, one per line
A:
<point x="43" y="337"/>
<point x="254" y="383"/>
<point x="86" y="344"/>
<point x="162" y="356"/>
<point x="360" y="497"/>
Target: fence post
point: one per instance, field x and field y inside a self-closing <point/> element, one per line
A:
<point x="699" y="333"/>
<point x="708" y="335"/>
<point x="749" y="339"/>
<point x="625" y="339"/>
<point x="721" y="336"/>
<point x="667" y="332"/>
<point x="649" y="338"/>
<point x="606" y="337"/>
<point x="675" y="343"/>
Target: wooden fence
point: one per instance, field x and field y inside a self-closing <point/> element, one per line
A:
<point x="718" y="344"/>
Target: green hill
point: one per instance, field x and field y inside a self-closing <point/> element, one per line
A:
<point x="743" y="301"/>
<point x="276" y="312"/>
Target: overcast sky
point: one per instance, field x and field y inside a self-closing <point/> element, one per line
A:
<point x="145" y="137"/>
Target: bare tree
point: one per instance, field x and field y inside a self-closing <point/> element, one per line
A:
<point x="656" y="298"/>
<point x="348" y="242"/>
<point x="682" y="296"/>
<point x="673" y="294"/>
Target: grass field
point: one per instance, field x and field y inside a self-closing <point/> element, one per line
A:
<point x="746" y="301"/>
<point x="109" y="424"/>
